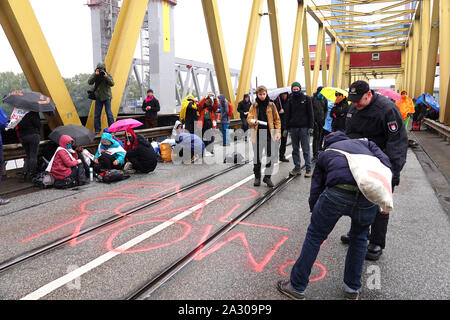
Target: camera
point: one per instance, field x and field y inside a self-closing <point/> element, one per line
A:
<point x="101" y="72"/>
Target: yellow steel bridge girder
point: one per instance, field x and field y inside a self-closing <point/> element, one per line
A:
<point x="33" y="53"/>
<point x="217" y="44"/>
<point x="276" y="42"/>
<point x="300" y="24"/>
<point x="444" y="85"/>
<point x="250" y="48"/>
<point x="120" y="53"/>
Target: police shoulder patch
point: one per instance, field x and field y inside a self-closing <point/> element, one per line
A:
<point x="393" y="126"/>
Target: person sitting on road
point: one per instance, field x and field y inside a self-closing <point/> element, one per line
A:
<point x="65" y="166"/>
<point x="109" y="155"/>
<point x="141" y="156"/>
<point x="334" y="193"/>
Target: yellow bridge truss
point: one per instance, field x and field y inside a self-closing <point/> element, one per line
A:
<point x="352" y="25"/>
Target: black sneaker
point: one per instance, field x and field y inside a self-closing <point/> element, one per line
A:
<point x="269" y="182"/>
<point x="373" y="252"/>
<point x="285" y="287"/>
<point x="283" y="159"/>
<point x="257" y="182"/>
<point x="351" y="295"/>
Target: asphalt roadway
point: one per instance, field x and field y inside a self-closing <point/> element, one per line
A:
<point x="244" y="264"/>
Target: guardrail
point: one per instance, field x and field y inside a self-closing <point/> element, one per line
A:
<point x="442" y="129"/>
<point x="15" y="151"/>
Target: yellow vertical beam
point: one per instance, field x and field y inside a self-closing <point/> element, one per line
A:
<point x="300" y="24"/>
<point x="318" y="56"/>
<point x="276" y="42"/>
<point x="411" y="63"/>
<point x="217" y="44"/>
<point x="415" y="53"/>
<point x="407" y="67"/>
<point x="444" y="62"/>
<point x="324" y="61"/>
<point x="306" y="60"/>
<point x="34" y="56"/>
<point x="347" y="74"/>
<point x="120" y="54"/>
<point x="250" y="49"/>
<point x="430" y="66"/>
<point x="335" y="74"/>
<point x="418" y="78"/>
<point x="332" y="68"/>
<point x="341" y="73"/>
<point x="425" y="22"/>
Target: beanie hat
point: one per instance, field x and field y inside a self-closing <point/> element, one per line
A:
<point x="150" y="90"/>
<point x="319" y="89"/>
<point x="296" y="84"/>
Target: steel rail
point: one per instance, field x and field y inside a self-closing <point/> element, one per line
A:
<point x="7" y="264"/>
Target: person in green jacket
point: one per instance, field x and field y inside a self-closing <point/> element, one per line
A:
<point x="103" y="82"/>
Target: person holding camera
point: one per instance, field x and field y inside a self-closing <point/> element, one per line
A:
<point x="103" y="82"/>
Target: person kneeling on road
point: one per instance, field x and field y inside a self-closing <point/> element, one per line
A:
<point x="334" y="193"/>
<point x="140" y="155"/>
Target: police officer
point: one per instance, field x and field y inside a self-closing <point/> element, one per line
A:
<point x="376" y="118"/>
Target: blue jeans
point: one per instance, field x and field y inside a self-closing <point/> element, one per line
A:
<point x="98" y="114"/>
<point x="300" y="136"/>
<point x="330" y="207"/>
<point x="225" y="133"/>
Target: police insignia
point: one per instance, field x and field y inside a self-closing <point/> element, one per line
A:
<point x="392" y="126"/>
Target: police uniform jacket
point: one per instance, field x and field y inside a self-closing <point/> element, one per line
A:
<point x="382" y="123"/>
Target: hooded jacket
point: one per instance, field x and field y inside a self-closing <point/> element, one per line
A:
<point x="114" y="149"/>
<point x="339" y="114"/>
<point x="191" y="141"/>
<point x="103" y="91"/>
<point x="226" y="109"/>
<point x="406" y="105"/>
<point x="244" y="106"/>
<point x="141" y="154"/>
<point x="204" y="107"/>
<point x="332" y="167"/>
<point x="60" y="166"/>
<point x="189" y="112"/>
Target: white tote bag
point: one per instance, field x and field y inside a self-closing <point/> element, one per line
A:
<point x="373" y="178"/>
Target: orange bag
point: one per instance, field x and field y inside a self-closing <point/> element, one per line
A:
<point x="166" y="152"/>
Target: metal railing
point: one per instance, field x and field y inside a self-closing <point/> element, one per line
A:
<point x="442" y="129"/>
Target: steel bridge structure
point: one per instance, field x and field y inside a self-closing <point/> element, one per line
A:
<point x="415" y="30"/>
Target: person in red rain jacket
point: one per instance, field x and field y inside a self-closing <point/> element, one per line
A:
<point x="65" y="162"/>
<point x="207" y="108"/>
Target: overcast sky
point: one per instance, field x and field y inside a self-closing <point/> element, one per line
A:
<point x="67" y="29"/>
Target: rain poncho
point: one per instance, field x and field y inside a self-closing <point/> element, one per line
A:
<point x="184" y="105"/>
<point x="406" y="105"/>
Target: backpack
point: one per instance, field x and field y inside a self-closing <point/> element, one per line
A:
<point x="43" y="180"/>
<point x="113" y="175"/>
<point x="65" y="183"/>
<point x="230" y="109"/>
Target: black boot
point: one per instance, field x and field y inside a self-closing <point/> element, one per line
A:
<point x="283" y="159"/>
<point x="267" y="181"/>
<point x="257" y="182"/>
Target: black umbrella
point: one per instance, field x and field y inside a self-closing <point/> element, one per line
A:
<point x="30" y="101"/>
<point x="79" y="134"/>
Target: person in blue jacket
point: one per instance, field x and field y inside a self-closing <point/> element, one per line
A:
<point x="334" y="193"/>
<point x="189" y="147"/>
<point x="3" y="121"/>
<point x="110" y="154"/>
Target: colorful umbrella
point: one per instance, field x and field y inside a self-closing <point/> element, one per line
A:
<point x="30" y="101"/>
<point x="428" y="100"/>
<point x="390" y="94"/>
<point x="330" y="93"/>
<point x="122" y="125"/>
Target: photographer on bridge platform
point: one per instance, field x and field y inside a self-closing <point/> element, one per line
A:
<point x="103" y="82"/>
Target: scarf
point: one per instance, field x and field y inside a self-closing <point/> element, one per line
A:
<point x="50" y="164"/>
<point x="149" y="98"/>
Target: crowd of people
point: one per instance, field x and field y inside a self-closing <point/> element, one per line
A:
<point x="359" y="121"/>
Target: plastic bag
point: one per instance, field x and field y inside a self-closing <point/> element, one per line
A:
<point x="373" y="178"/>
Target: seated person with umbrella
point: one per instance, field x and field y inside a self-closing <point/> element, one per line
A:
<point x="140" y="154"/>
<point x="65" y="166"/>
<point x="110" y="155"/>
